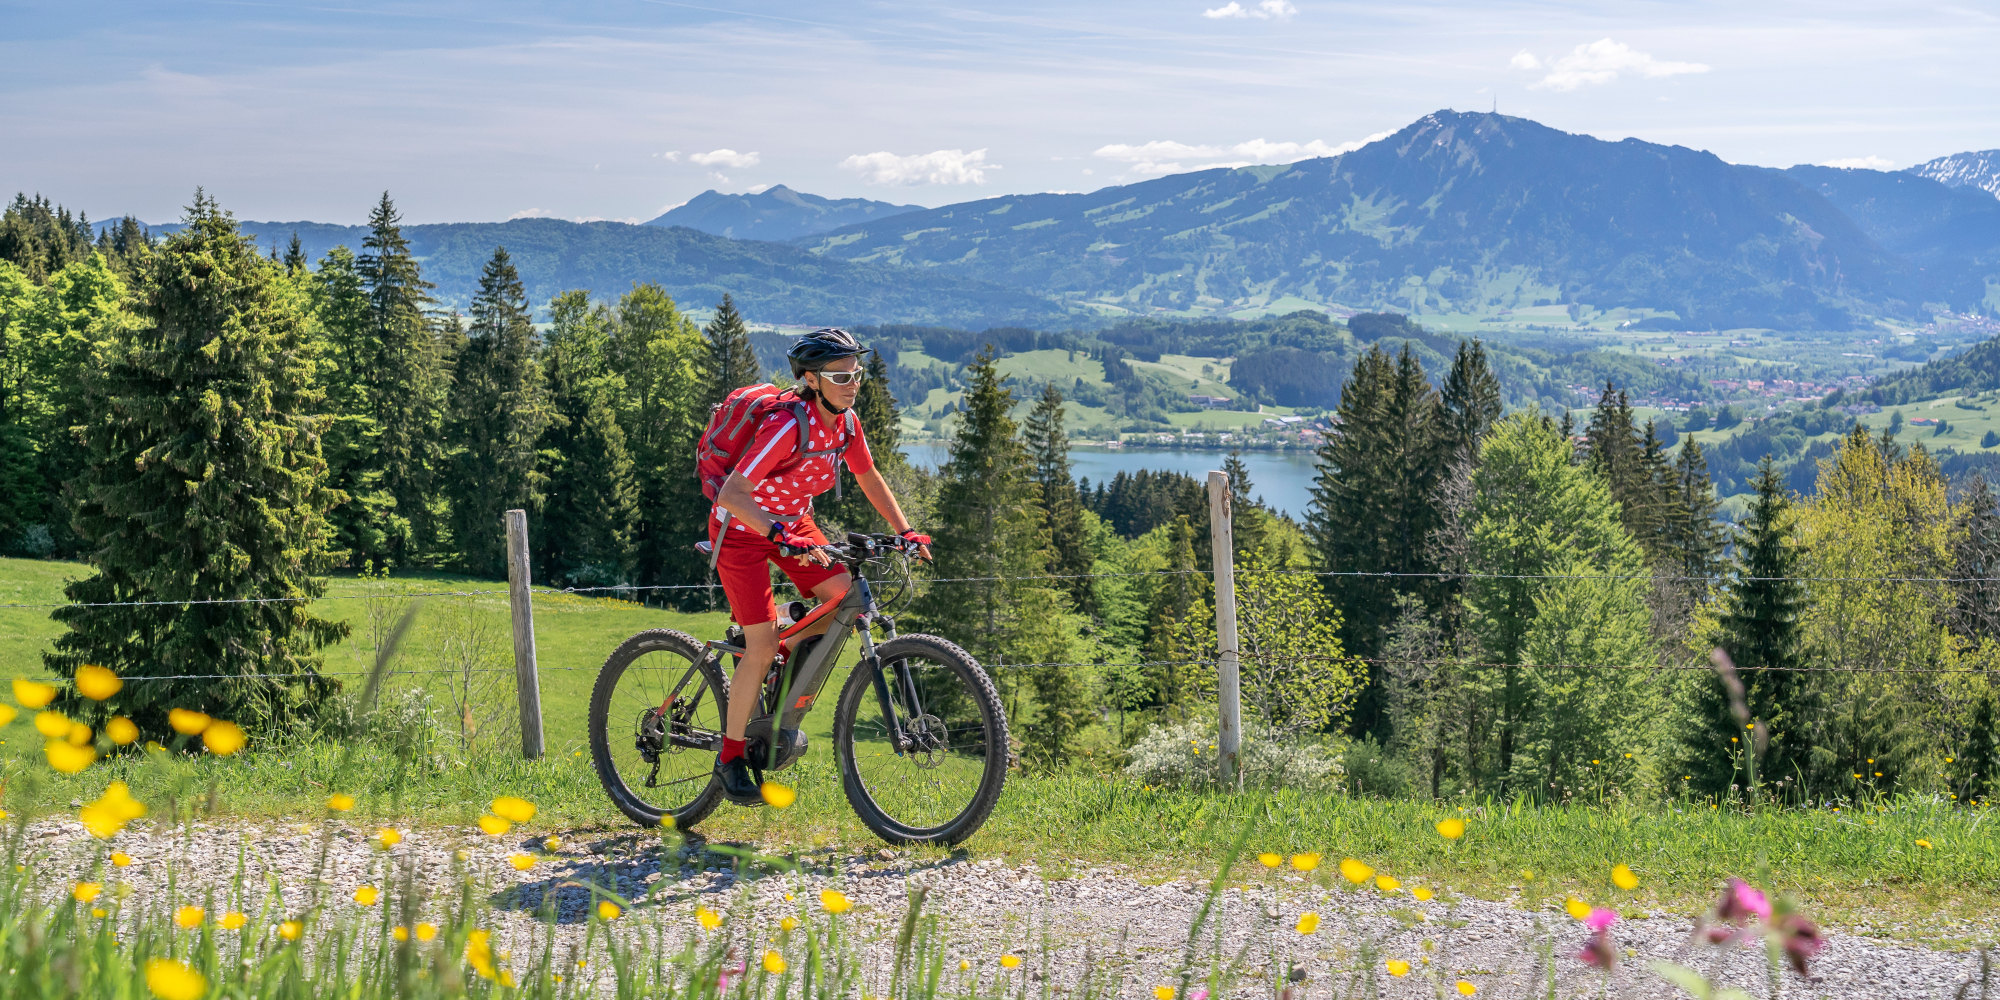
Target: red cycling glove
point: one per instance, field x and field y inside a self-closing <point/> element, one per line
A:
<point x="790" y="542"/>
<point x="910" y="535"/>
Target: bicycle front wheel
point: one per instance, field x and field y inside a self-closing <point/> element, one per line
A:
<point x="930" y="768"/>
<point x="655" y="724"/>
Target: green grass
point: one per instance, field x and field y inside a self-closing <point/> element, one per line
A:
<point x="1861" y="864"/>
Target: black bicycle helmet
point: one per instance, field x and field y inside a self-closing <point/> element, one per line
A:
<point x="812" y="351"/>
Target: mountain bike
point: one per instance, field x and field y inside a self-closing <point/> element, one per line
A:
<point x="919" y="733"/>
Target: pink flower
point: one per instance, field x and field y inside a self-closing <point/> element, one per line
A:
<point x="1599" y="951"/>
<point x="1800" y="938"/>
<point x="1600" y="919"/>
<point x="1741" y="902"/>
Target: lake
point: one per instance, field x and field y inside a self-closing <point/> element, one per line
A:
<point x="1282" y="478"/>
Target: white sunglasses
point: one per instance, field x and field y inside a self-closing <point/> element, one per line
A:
<point x="842" y="378"/>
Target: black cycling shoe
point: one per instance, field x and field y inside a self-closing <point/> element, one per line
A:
<point x="738" y="785"/>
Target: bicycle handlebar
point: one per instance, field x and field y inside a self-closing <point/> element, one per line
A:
<point x="862" y="546"/>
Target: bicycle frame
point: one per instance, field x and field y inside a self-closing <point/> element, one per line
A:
<point x="802" y="680"/>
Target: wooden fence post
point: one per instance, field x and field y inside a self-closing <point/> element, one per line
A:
<point x="527" y="681"/>
<point x="1229" y="690"/>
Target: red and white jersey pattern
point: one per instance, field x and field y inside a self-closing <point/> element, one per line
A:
<point x="790" y="493"/>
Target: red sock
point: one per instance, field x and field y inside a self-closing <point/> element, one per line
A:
<point x="731" y="749"/>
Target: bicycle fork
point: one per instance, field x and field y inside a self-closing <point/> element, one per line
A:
<point x="897" y="737"/>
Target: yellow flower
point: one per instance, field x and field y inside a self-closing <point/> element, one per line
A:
<point x="340" y="802"/>
<point x="493" y="825"/>
<point x="1354" y="871"/>
<point x="521" y="862"/>
<point x="1387" y="884"/>
<point x="479" y="952"/>
<point x="222" y="738"/>
<point x="189" y="917"/>
<point x="1167" y="992"/>
<point x="233" y="920"/>
<point x="400" y="933"/>
<point x="7" y="713"/>
<point x="1925" y="844"/>
<point x="291" y="929"/>
<point x="1269" y="860"/>
<point x="96" y="683"/>
<point x="1576" y="907"/>
<point x="120" y="859"/>
<point x="86" y="891"/>
<point x="121" y="730"/>
<point x="78" y="735"/>
<point x="367" y="895"/>
<point x="52" y="724"/>
<point x="1451" y="829"/>
<point x="1308" y="923"/>
<point x="777" y="796"/>
<point x="551" y="843"/>
<point x="1465" y="988"/>
<point x="609" y="910"/>
<point x="187" y="721"/>
<point x="834" y="901"/>
<point x="33" y="694"/>
<point x="1305" y="862"/>
<point x="1010" y="961"/>
<point x="426" y="931"/>
<point x="1398" y="967"/>
<point x="111" y="811"/>
<point x="68" y="757"/>
<point x="513" y="808"/>
<point x="172" y="980"/>
<point x="963" y="965"/>
<point x="99" y="912"/>
<point x="1623" y="878"/>
<point x="709" y="919"/>
<point x="386" y="838"/>
<point x="788" y="924"/>
<point x="1423" y="895"/>
<point x="774" y="963"/>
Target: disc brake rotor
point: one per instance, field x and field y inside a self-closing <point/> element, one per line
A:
<point x="928" y="745"/>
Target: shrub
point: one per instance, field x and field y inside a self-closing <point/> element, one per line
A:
<point x="1186" y="755"/>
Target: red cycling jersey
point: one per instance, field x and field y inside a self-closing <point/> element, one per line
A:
<point x="741" y="563"/>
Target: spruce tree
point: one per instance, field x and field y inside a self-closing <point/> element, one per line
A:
<point x="583" y="532"/>
<point x="365" y="522"/>
<point x="1070" y="552"/>
<point x="1470" y="401"/>
<point x="1695" y="538"/>
<point x="295" y="257"/>
<point x="499" y="409"/>
<point x="732" y="363"/>
<point x="989" y="526"/>
<point x="1976" y="562"/>
<point x="1372" y="509"/>
<point x="404" y="382"/>
<point x="204" y="488"/>
<point x="1181" y="598"/>
<point x="660" y="354"/>
<point x="1761" y="632"/>
<point x="1249" y="521"/>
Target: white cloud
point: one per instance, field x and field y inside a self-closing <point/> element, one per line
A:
<point x="1862" y="163"/>
<point x="1268" y="10"/>
<point x="671" y="156"/>
<point x="529" y="213"/>
<point x="724" y="158"/>
<point x="759" y="188"/>
<point x="1600" y="62"/>
<point x="943" y="166"/>
<point x="1165" y="156"/>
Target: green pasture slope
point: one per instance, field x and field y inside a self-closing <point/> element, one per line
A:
<point x="1859" y="865"/>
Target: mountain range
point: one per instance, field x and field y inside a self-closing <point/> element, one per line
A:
<point x="775" y="213"/>
<point x="1476" y="213"/>
<point x="1465" y="213"/>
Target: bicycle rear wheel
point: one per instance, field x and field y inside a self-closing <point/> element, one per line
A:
<point x="656" y="763"/>
<point x="938" y="785"/>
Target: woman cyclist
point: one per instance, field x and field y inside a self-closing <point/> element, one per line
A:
<point x="763" y="514"/>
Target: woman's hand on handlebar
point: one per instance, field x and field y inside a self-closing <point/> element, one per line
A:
<point x="911" y="537"/>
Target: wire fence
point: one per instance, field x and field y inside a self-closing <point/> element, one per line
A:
<point x="1668" y="664"/>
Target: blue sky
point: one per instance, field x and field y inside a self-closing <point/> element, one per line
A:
<point x="622" y="108"/>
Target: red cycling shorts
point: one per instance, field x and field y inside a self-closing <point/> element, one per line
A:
<point x="744" y="567"/>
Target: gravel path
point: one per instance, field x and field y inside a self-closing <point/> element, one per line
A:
<point x="1129" y="932"/>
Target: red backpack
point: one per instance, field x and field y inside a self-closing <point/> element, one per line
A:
<point x="733" y="424"/>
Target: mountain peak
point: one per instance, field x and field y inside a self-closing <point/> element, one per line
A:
<point x="774" y="213"/>
<point x="1980" y="169"/>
